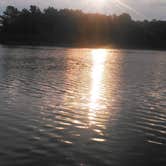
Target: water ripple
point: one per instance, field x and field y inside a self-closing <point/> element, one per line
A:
<point x="82" y="106"/>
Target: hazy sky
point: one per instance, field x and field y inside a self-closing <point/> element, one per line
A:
<point x="139" y="9"/>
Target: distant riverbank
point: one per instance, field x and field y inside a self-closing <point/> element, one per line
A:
<point x="77" y="45"/>
<point x="74" y="28"/>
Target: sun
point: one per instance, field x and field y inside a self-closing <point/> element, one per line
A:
<point x="97" y="2"/>
<point x="100" y="1"/>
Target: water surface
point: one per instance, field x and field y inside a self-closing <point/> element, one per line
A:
<point x="63" y="106"/>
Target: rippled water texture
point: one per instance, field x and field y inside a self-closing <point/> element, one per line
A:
<point x="61" y="106"/>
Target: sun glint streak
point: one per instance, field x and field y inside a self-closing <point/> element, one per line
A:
<point x="98" y="58"/>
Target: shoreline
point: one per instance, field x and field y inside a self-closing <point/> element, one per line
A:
<point x="104" y="46"/>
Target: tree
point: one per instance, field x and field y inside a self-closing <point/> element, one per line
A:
<point x="50" y="11"/>
<point x="125" y="18"/>
<point x="54" y="26"/>
<point x="11" y="11"/>
<point x="34" y="10"/>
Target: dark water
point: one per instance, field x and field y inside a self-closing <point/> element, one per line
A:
<point x="61" y="106"/>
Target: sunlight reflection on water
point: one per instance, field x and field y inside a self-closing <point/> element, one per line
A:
<point x="98" y="59"/>
<point x="90" y="106"/>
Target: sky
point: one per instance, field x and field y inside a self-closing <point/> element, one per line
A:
<point x="138" y="9"/>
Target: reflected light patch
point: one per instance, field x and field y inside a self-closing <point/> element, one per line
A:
<point x="98" y="60"/>
<point x="99" y="54"/>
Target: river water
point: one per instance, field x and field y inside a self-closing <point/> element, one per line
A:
<point x="85" y="107"/>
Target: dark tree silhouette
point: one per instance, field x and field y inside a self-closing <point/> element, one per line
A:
<point x="52" y="26"/>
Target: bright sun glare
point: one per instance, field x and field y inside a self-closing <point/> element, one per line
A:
<point x="97" y="2"/>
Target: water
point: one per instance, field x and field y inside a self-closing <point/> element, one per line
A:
<point x="63" y="106"/>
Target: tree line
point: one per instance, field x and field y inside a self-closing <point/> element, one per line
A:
<point x="66" y="26"/>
